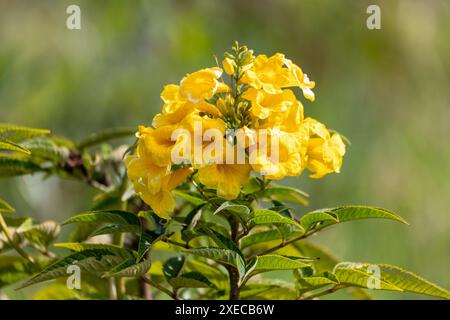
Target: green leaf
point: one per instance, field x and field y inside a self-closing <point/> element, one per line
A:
<point x="305" y="284"/>
<point x="287" y="194"/>
<point x="129" y="268"/>
<point x="47" y="149"/>
<point x="18" y="133"/>
<point x="391" y="278"/>
<point x="220" y="239"/>
<point x="94" y="261"/>
<point x="16" y="166"/>
<point x="5" y="207"/>
<point x="276" y="262"/>
<point x="106" y="216"/>
<point x="172" y="267"/>
<point x="191" y="280"/>
<point x="238" y="210"/>
<point x="269" y="290"/>
<point x="311" y="219"/>
<point x="146" y="239"/>
<point x="116" y="228"/>
<point x="7" y="145"/>
<point x="325" y="259"/>
<point x="264" y="216"/>
<point x="106" y="135"/>
<point x="196" y="201"/>
<point x="221" y="255"/>
<point x="13" y="269"/>
<point x="348" y="213"/>
<point x="79" y="247"/>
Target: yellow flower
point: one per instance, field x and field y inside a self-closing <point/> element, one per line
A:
<point x="325" y="150"/>
<point x="301" y="80"/>
<point x="226" y="178"/>
<point x="202" y="84"/>
<point x="288" y="121"/>
<point x="153" y="183"/>
<point x="267" y="73"/>
<point x="286" y="158"/>
<point x="263" y="103"/>
<point x="161" y="200"/>
<point x="229" y="66"/>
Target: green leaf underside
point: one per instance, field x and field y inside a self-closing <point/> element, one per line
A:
<point x="221" y="255"/>
<point x="16" y="166"/>
<point x="129" y="268"/>
<point x="264" y="216"/>
<point x="391" y="278"/>
<point x="326" y="217"/>
<point x="106" y="216"/>
<point x="240" y="211"/>
<point x="12" y="146"/>
<point x="16" y="133"/>
<point x="94" y="261"/>
<point x="79" y="247"/>
<point x="191" y="280"/>
<point x="276" y="262"/>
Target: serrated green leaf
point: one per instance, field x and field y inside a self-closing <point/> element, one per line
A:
<point x="390" y="278"/>
<point x="264" y="216"/>
<point x="287" y="194"/>
<point x="191" y="280"/>
<point x="221" y="255"/>
<point x="116" y="228"/>
<point x="94" y="261"/>
<point x="79" y="247"/>
<point x="348" y="213"/>
<point x="239" y="211"/>
<point x="7" y="145"/>
<point x="129" y="268"/>
<point x="276" y="262"/>
<point x="19" y="133"/>
<point x="106" y="216"/>
<point x="46" y="149"/>
<point x="312" y="218"/>
<point x="16" y="166"/>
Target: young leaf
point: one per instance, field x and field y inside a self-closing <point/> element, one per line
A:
<point x="238" y="210"/>
<point x="391" y="278"/>
<point x="106" y="216"/>
<point x="264" y="216"/>
<point x="276" y="262"/>
<point x="191" y="280"/>
<point x="348" y="213"/>
<point x="311" y="219"/>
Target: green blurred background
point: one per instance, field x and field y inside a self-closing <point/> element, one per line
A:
<point x="387" y="90"/>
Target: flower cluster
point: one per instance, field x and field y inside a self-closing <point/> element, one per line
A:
<point x="258" y="97"/>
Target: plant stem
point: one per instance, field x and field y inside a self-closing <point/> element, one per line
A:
<point x="16" y="247"/>
<point x="232" y="271"/>
<point x="323" y="293"/>
<point x="283" y="244"/>
<point x="150" y="282"/>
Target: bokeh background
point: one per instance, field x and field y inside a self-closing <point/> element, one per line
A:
<point x="387" y="90"/>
